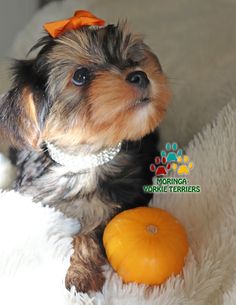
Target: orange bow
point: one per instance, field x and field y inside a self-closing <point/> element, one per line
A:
<point x="80" y="18"/>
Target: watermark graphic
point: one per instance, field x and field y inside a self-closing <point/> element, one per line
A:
<point x="183" y="166"/>
<point x="171" y="159"/>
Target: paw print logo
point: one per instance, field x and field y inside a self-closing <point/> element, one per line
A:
<point x="160" y="167"/>
<point x="183" y="166"/>
<point x="171" y="158"/>
<point x="171" y="152"/>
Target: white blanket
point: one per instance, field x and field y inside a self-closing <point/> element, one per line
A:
<point x="36" y="241"/>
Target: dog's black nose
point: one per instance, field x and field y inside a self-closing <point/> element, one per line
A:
<point x="138" y="78"/>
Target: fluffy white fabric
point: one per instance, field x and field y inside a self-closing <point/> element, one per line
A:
<point x="7" y="172"/>
<point x="36" y="241"/>
<point x="196" y="45"/>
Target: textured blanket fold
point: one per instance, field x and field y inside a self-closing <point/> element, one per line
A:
<point x="36" y="241"/>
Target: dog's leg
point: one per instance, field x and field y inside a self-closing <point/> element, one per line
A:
<point x="85" y="271"/>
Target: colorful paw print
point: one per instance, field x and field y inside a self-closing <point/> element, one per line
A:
<point x="171" y="158"/>
<point x="183" y="166"/>
<point x="172" y="152"/>
<point x="161" y="167"/>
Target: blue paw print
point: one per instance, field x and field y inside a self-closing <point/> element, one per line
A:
<point x="172" y="152"/>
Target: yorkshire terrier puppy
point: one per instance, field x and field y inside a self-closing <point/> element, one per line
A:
<point x="82" y="115"/>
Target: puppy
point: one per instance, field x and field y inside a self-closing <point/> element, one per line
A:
<point x="82" y="116"/>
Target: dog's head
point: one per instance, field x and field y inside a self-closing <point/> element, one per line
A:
<point x="92" y="85"/>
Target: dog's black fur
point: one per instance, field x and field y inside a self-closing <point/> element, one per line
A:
<point x="125" y="188"/>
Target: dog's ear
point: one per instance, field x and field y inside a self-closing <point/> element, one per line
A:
<point x="19" y="119"/>
<point x="23" y="108"/>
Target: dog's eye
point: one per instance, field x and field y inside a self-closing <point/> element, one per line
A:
<point x="81" y="77"/>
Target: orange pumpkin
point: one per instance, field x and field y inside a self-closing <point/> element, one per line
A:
<point x="145" y="245"/>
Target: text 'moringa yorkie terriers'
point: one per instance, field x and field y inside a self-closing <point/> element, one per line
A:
<point x="82" y="116"/>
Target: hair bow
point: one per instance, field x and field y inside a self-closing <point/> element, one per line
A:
<point x="80" y="18"/>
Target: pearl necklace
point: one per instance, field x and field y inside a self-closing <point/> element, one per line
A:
<point x="82" y="162"/>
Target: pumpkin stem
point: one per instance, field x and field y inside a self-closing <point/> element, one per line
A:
<point x="152" y="229"/>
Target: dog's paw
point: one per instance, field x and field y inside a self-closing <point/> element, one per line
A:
<point x="86" y="265"/>
<point x="84" y="282"/>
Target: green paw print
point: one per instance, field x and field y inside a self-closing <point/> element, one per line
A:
<point x="183" y="166"/>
